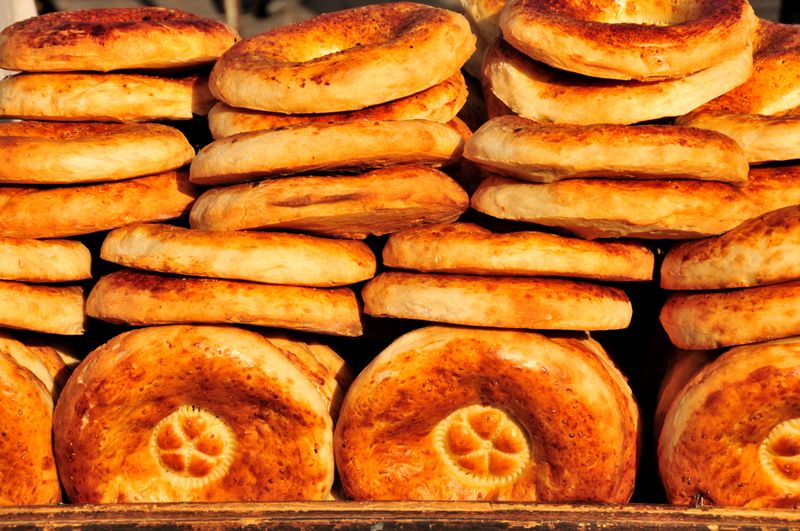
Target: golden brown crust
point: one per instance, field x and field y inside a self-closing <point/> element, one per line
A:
<point x="501" y="302"/>
<point x="139" y="299"/>
<point x="418" y="421"/>
<point x="378" y="202"/>
<point x="70" y="153"/>
<point x="631" y="40"/>
<point x="440" y="103"/>
<point x="682" y="366"/>
<point x="43" y="362"/>
<point x="28" y="260"/>
<point x="469" y="249"/>
<point x="27" y="465"/>
<point x="184" y="413"/>
<point x="344" y="61"/>
<point x="340" y="146"/>
<point x="763" y="250"/>
<point x="113" y="39"/>
<point x="53" y="310"/>
<point x="600" y="208"/>
<point x="70" y="211"/>
<point x="773" y="188"/>
<point x="269" y="257"/>
<point x="716" y="319"/>
<point x="730" y="435"/>
<point x="538" y="92"/>
<point x="527" y="150"/>
<point x="86" y="97"/>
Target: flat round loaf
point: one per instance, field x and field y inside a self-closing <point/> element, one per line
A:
<point x="763" y="250"/>
<point x="716" y="319"/>
<point x="142" y="299"/>
<point x="340" y="146"/>
<point x="27" y="465"/>
<point x="449" y="413"/>
<point x="28" y="260"/>
<point x="500" y="302"/>
<point x="53" y="310"/>
<point x="601" y="208"/>
<point x="269" y="257"/>
<point x="483" y="17"/>
<point x="113" y="39"/>
<point x="322" y="366"/>
<point x="378" y="202"/>
<point x="731" y="435"/>
<point x="539" y="92"/>
<point x="344" y="61"/>
<point x="469" y="249"/>
<point x="86" y="97"/>
<point x="70" y="211"/>
<point x="44" y="363"/>
<point x="72" y="153"/>
<point x="527" y="150"/>
<point x="440" y="103"/>
<point x="638" y="39"/>
<point x="774" y="187"/>
<point x="192" y="413"/>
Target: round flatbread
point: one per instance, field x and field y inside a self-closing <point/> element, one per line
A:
<point x="601" y="208"/>
<point x="269" y="257"/>
<point x="502" y="302"/>
<point x="340" y="146"/>
<point x="113" y="39"/>
<point x="469" y="249"/>
<point x="73" y="153"/>
<point x="773" y="187"/>
<point x="27" y="260"/>
<point x="53" y="310"/>
<point x="75" y="210"/>
<point x="378" y="202"/>
<point x="142" y="299"/>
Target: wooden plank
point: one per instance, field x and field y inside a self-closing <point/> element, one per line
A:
<point x="386" y="516"/>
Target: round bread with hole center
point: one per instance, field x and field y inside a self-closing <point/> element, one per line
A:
<point x="269" y="257"/>
<point x="539" y="92"/>
<point x="341" y="146"/>
<point x="440" y="103"/>
<point x="636" y="39"/>
<point x="466" y="248"/>
<point x="449" y="413"/>
<point x="75" y="210"/>
<point x="731" y="435"/>
<point x="143" y="299"/>
<point x="344" y="61"/>
<point x="27" y="260"/>
<point x="192" y="413"/>
<point x="48" y="309"/>
<point x="501" y="302"/>
<point x="74" y="153"/>
<point x="530" y="151"/>
<point x="113" y="39"/>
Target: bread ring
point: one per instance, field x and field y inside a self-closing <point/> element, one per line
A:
<point x="141" y="299"/>
<point x="440" y="103"/>
<point x="450" y="413"/>
<point x="763" y="250"/>
<point x="538" y="92"/>
<point x="773" y="188"/>
<point x="344" y="61"/>
<point x="638" y="39"/>
<point x="498" y="302"/>
<point x="72" y="153"/>
<point x="469" y="249"/>
<point x="601" y="208"/>
<point x="378" y="202"/>
<point x="269" y="257"/>
<point x="344" y="146"/>
<point x="53" y="310"/>
<point x="731" y="435"/>
<point x="527" y="150"/>
<point x="26" y="414"/>
<point x="713" y="319"/>
<point x="75" y="210"/>
<point x="27" y="260"/>
<point x="192" y="413"/>
<point x="82" y="97"/>
<point x="103" y="39"/>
